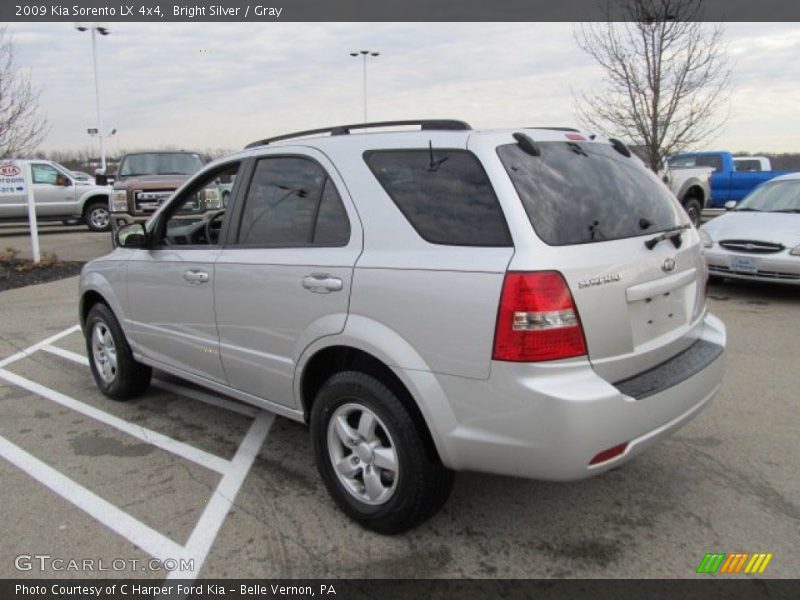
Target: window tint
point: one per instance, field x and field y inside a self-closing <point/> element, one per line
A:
<point x="44" y="174"/>
<point x="291" y="202"/>
<point x="578" y="193"/>
<point x="197" y="217"/>
<point x="333" y="227"/>
<point x="448" y="200"/>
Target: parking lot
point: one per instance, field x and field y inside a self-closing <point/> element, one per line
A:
<point x="185" y="474"/>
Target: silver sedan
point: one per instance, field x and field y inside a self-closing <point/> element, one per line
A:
<point x="759" y="239"/>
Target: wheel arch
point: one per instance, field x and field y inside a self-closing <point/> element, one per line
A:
<point x="91" y="198"/>
<point x="386" y="356"/>
<point x="95" y="288"/>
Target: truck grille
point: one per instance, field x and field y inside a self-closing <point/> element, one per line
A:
<point x="751" y="246"/>
<point x="147" y="201"/>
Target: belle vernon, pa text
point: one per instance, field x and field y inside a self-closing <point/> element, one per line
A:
<point x="208" y="589"/>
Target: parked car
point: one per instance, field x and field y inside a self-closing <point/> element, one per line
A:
<point x="727" y="183"/>
<point x="58" y="196"/>
<point x="760" y="238"/>
<point x="529" y="302"/>
<point x="144" y="180"/>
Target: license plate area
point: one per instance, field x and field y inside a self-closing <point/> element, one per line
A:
<point x="660" y="313"/>
<point x="744" y="264"/>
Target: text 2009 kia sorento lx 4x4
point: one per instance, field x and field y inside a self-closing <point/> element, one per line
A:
<point x="528" y="302"/>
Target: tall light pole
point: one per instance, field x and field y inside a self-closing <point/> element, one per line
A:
<point x="95" y="29"/>
<point x="364" y="54"/>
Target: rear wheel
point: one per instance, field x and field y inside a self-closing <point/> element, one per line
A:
<point x="97" y="216"/>
<point x="372" y="456"/>
<point x="694" y="208"/>
<point x="114" y="369"/>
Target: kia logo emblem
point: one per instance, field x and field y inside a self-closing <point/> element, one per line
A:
<point x="669" y="265"/>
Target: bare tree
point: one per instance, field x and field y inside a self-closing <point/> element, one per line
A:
<point x="667" y="75"/>
<point x="22" y="126"/>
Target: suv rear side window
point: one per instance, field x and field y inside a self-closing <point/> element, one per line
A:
<point x="291" y="201"/>
<point x="448" y="200"/>
<point x="580" y="193"/>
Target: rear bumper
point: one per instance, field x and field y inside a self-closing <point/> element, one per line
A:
<point x="548" y="422"/>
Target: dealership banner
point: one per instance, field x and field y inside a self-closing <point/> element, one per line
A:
<point x="373" y="10"/>
<point x="389" y="589"/>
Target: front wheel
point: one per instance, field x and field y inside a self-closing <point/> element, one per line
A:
<point x="118" y="375"/>
<point x="694" y="209"/>
<point x="98" y="217"/>
<point x="373" y="457"/>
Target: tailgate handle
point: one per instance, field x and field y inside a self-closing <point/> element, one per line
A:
<point x="660" y="286"/>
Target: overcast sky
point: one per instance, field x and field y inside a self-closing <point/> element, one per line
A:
<point x="213" y="85"/>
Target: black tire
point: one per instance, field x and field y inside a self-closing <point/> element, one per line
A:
<point x="130" y="378"/>
<point x="423" y="482"/>
<point x="694" y="208"/>
<point x="97" y="216"/>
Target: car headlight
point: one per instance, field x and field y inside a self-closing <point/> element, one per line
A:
<point x="795" y="251"/>
<point x="119" y="201"/>
<point x="212" y="199"/>
<point x="705" y="238"/>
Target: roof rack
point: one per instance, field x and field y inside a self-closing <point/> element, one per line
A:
<point x="425" y="125"/>
<point x="557" y="128"/>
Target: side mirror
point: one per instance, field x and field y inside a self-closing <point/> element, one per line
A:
<point x="100" y="179"/>
<point x="132" y="236"/>
<point x="730" y="205"/>
<point x="63" y="181"/>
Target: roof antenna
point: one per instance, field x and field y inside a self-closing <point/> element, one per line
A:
<point x="434" y="165"/>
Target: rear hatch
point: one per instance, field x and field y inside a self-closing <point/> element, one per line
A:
<point x="594" y="208"/>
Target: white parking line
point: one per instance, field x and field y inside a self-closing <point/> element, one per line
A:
<point x="207" y="528"/>
<point x="149" y="540"/>
<point x="234" y="472"/>
<point x="38" y="346"/>
<point x="196" y="455"/>
<point x="68" y="354"/>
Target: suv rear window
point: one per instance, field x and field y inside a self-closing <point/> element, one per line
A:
<point x="448" y="200"/>
<point x="580" y="193"/>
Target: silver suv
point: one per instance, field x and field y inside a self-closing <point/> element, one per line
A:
<point x="529" y="302"/>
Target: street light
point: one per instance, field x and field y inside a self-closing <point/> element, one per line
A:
<point x="364" y="54"/>
<point x="96" y="28"/>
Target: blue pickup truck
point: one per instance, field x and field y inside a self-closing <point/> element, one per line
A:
<point x="727" y="183"/>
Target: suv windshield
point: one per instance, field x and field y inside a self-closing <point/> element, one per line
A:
<point x="774" y="196"/>
<point x="160" y="163"/>
<point x="581" y="193"/>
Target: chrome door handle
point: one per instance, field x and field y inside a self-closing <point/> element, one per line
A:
<point x="194" y="276"/>
<point x="322" y="283"/>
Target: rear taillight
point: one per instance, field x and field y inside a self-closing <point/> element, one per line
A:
<point x="537" y="319"/>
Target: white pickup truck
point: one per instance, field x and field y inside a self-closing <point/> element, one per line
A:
<point x="58" y="196"/>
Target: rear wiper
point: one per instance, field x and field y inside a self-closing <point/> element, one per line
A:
<point x="593" y="229"/>
<point x="673" y="234"/>
<point x="787" y="210"/>
<point x="747" y="210"/>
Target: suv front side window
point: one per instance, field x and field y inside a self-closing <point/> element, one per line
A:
<point x="196" y="219"/>
<point x="291" y="202"/>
